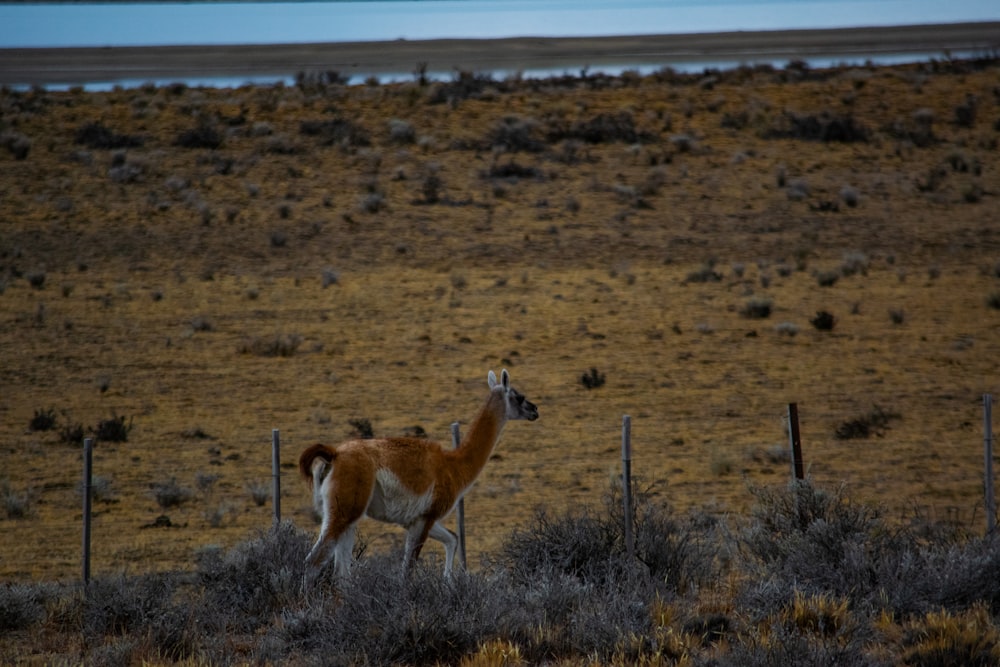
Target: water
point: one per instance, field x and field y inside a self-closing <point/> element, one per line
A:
<point x="149" y="24"/>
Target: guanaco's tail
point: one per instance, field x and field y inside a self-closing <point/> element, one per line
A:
<point x="308" y="458"/>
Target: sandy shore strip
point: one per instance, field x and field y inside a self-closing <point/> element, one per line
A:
<point x="50" y="66"/>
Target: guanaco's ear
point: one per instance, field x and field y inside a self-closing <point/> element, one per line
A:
<point x="492" y="379"/>
<point x="505" y="379"/>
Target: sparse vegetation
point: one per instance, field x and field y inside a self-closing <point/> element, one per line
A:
<point x="202" y="136"/>
<point x="97" y="136"/>
<point x="757" y="308"/>
<point x="825" y="127"/>
<point x="592" y="379"/>
<point x="362" y="428"/>
<point x="827" y="278"/>
<point x="336" y="132"/>
<point x="114" y="429"/>
<point x="823" y="321"/>
<point x="72" y="434"/>
<point x="16" y="143"/>
<point x="551" y="259"/>
<point x="810" y="575"/>
<point x="874" y="422"/>
<point x="705" y="274"/>
<point x="280" y="345"/>
<point x="789" y="329"/>
<point x="260" y="492"/>
<point x="16" y="504"/>
<point x="44" y="420"/>
<point x="169" y="493"/>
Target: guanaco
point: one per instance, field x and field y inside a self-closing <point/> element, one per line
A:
<point x="410" y="482"/>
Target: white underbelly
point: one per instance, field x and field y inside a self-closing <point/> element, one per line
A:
<point x="394" y="503"/>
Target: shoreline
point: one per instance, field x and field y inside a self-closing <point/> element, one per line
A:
<point x="82" y="65"/>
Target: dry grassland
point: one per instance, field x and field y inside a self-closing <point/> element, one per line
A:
<point x="397" y="241"/>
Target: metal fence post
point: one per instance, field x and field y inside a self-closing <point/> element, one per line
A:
<point x="88" y="459"/>
<point x="627" y="484"/>
<point x="795" y="441"/>
<point x="991" y="503"/>
<point x="276" y="474"/>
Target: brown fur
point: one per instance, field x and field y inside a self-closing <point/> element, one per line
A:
<point x="309" y="454"/>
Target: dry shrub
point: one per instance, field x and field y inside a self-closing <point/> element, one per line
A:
<point x="280" y="345"/>
<point x="337" y="131"/>
<point x="97" y="136"/>
<point x="825" y="127"/>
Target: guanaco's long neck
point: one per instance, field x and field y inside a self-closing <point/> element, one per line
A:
<point x="481" y="438"/>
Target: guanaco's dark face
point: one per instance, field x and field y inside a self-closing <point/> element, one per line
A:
<point x="518" y="407"/>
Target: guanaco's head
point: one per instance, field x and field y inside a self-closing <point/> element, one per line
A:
<point x="518" y="407"/>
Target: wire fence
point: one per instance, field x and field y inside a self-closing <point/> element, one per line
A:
<point x="796" y="457"/>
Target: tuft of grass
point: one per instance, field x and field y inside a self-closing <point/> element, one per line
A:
<point x="16" y="504"/>
<point x="279" y="239"/>
<point x="362" y="428"/>
<point x="823" y="321"/>
<point x="101" y="489"/>
<point x="849" y="195"/>
<point x="18" y="144"/>
<point x="260" y="492"/>
<point x="854" y="263"/>
<point x="97" y="136"/>
<point x="592" y="379"/>
<point x="721" y="465"/>
<point x="169" y="493"/>
<point x="757" y="308"/>
<point x="787" y="328"/>
<point x="330" y="277"/>
<point x="706" y="273"/>
<point x="873" y="423"/>
<point x="202" y="136"/>
<point x="401" y="132"/>
<point x="36" y="279"/>
<point x="430" y="187"/>
<point x="114" y="429"/>
<point x="44" y="420"/>
<point x="202" y="323"/>
<point x="373" y="202"/>
<point x="818" y="614"/>
<point x="969" y="638"/>
<point x="72" y="434"/>
<point x="281" y="345"/>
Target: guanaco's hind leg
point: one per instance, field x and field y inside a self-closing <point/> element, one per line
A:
<point x="319" y="469"/>
<point x="343" y="497"/>
<point x="416" y="535"/>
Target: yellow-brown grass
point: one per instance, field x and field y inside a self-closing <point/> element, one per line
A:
<point x="155" y="290"/>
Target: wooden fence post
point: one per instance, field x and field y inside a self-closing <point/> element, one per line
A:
<point x="795" y="441"/>
<point x="456" y="440"/>
<point x="627" y="484"/>
<point x="276" y="474"/>
<point x="991" y="503"/>
<point x="88" y="458"/>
